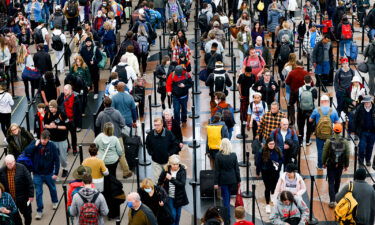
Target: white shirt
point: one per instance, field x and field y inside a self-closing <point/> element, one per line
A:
<point x="58" y="32"/>
<point x="132" y="76"/>
<point x="283" y="134"/>
<point x="6" y="101"/>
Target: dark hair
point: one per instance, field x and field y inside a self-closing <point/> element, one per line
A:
<point x="165" y="59"/>
<point x="286" y="195"/>
<point x="79" y="28"/>
<point x="216" y="118"/>
<point x="93" y="150"/>
<point x="107" y="102"/>
<point x="266" y="153"/>
<point x="129" y="34"/>
<point x="220" y="95"/>
<point x="214" y="45"/>
<point x="211" y="213"/>
<point x="48" y="75"/>
<point x="248" y="69"/>
<point x="45" y="134"/>
<point x="87" y="178"/>
<point x="182" y="40"/>
<point x="307" y="79"/>
<point x="299" y="63"/>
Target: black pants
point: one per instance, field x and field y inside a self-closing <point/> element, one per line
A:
<point x="143" y="62"/>
<point x="334" y="179"/>
<point x="25" y="211"/>
<point x="302" y="118"/>
<point x="280" y="65"/>
<point x="94" y="72"/>
<point x="83" y="99"/>
<point x="5" y="122"/>
<point x="291" y="108"/>
<point x="71" y="127"/>
<point x="270" y="178"/>
<point x="112" y="168"/>
<point x="255" y="128"/>
<point x="72" y="24"/>
<point x="13" y="66"/>
<point x="34" y="85"/>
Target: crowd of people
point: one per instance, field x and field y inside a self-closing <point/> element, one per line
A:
<point x="84" y="37"/>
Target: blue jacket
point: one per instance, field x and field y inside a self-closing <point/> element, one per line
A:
<point x="47" y="163"/>
<point x="37" y="11"/>
<point x="279" y="137"/>
<point x="273" y="19"/>
<point x="108" y="36"/>
<point x="291" y="139"/>
<point x="124" y="103"/>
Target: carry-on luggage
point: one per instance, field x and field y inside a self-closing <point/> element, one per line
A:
<point x="132" y="145"/>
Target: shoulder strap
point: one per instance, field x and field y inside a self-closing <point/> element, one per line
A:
<point x="350" y="188"/>
<point x="83" y="198"/>
<point x="96" y="195"/>
<point x="275" y="134"/>
<point x="320" y="112"/>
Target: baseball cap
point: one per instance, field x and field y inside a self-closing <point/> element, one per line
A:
<point x="324" y="98"/>
<point x="337" y="128"/>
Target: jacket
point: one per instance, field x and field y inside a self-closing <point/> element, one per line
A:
<point x="26" y="139"/>
<point x="88" y="56"/>
<point x="328" y="152"/>
<point x="37" y="11"/>
<point x="130" y="73"/>
<point x="241" y="41"/>
<point x="142" y="216"/>
<point x="174" y="80"/>
<point x="180" y="197"/>
<point x="23" y="183"/>
<point x="115" y="150"/>
<point x="227" y="171"/>
<point x="318" y="53"/>
<point x="210" y="82"/>
<point x="45" y="162"/>
<point x="171" y="25"/>
<point x="159" y="73"/>
<point x="208" y="45"/>
<point x="281" y="185"/>
<point x="77" y="115"/>
<point x="273" y="19"/>
<point x="365" y="196"/>
<point x="268" y="94"/>
<point x="266" y="55"/>
<point x="42" y="61"/>
<point x="83" y="73"/>
<point x="281" y="212"/>
<point x="339" y="30"/>
<point x="343" y="80"/>
<point x="88" y="193"/>
<point x="176" y="129"/>
<point x="359" y="115"/>
<point x="65" y="10"/>
<point x="268" y="165"/>
<point x="5" y="56"/>
<point x="301" y="29"/>
<point x="161" y="146"/>
<point x="111" y="115"/>
<point x="122" y="51"/>
<point x="125" y="104"/>
<point x="153" y="202"/>
<point x="132" y="61"/>
<point x="295" y="79"/>
<point x="307" y="45"/>
<point x="151" y="35"/>
<point x="291" y="139"/>
<point x="108" y="37"/>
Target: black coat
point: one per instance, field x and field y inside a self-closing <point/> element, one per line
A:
<point x="227" y="171"/>
<point x="23" y="183"/>
<point x="180" y="197"/>
<point x="26" y="139"/>
<point x="268" y="94"/>
<point x="359" y="114"/>
<point x="161" y="146"/>
<point x="76" y="108"/>
<point x="176" y="129"/>
<point x="123" y="47"/>
<point x="153" y="202"/>
<point x="318" y="53"/>
<point x="42" y="61"/>
<point x="88" y="55"/>
<point x="159" y="73"/>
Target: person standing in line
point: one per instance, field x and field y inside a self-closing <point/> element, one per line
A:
<point x="59" y="47"/>
<point x="270" y="121"/>
<point x="18" y="138"/>
<point x="342" y="81"/>
<point x="6" y="102"/>
<point x="139" y="213"/>
<point x="46" y="164"/>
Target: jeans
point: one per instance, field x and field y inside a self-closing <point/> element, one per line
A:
<point x="302" y="118"/>
<point x="225" y="194"/>
<point x="38" y="183"/>
<point x="345" y="44"/>
<point x="63" y="154"/>
<point x="334" y="178"/>
<point x="180" y="108"/>
<point x="319" y="146"/>
<point x="366" y="144"/>
<point x="340" y="97"/>
<point x="45" y="12"/>
<point x="176" y="212"/>
<point x="371" y="34"/>
<point x="230" y="132"/>
<point x="46" y="48"/>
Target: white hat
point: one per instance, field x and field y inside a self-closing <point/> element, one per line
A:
<point x="324" y="98"/>
<point x="356" y="79"/>
<point x="257" y="93"/>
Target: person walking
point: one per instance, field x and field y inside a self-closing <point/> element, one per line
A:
<point x="58" y="45"/>
<point x="267" y="86"/>
<point x="289" y="209"/>
<point x="46" y="164"/>
<point x="364" y="194"/>
<point x="369" y="54"/>
<point x="173" y="179"/>
<point x="227" y="172"/>
<point x="322" y="59"/>
<point x="162" y="71"/>
<point x="6" y="103"/>
<point x="18" y="183"/>
<point x="124" y="102"/>
<point x="342" y="81"/>
<point x="291" y="181"/>
<point x="270" y="121"/>
<point x="256" y="110"/>
<point x="245" y="81"/>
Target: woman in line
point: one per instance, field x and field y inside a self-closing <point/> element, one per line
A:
<point x="4" y="61"/>
<point x="173" y="125"/>
<point x="25" y="59"/>
<point x="6" y="102"/>
<point x="289" y="66"/>
<point x="243" y="40"/>
<point x="173" y="179"/>
<point x="291" y="181"/>
<point x="162" y="71"/>
<point x="257" y="31"/>
<point x="7" y="206"/>
<point x="108" y="39"/>
<point x="227" y="172"/>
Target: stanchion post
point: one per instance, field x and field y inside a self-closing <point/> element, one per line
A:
<point x="343" y="128"/>
<point x="363" y="35"/>
<point x="193" y="116"/>
<point x="300" y="138"/>
<point x="231" y="66"/>
<point x="137" y="168"/>
<point x="311" y="219"/>
<point x="150" y="113"/>
<point x="330" y="101"/>
<point x="27" y="119"/>
<point x="12" y="83"/>
<point x="337" y="55"/>
<point x="253" y="203"/>
<point x="319" y="89"/>
<point x="243" y="133"/>
<point x="300" y="49"/>
<point x="247" y="193"/>
<point x="355" y="157"/>
<point x="66" y="204"/>
<point x="118" y="222"/>
<point x="279" y="98"/>
<point x="308" y="62"/>
<point x="145" y="162"/>
<point x="6" y="150"/>
<point x="195" y="163"/>
<point x="80" y="154"/>
<point x="194" y="187"/>
<point x="155" y="105"/>
<point x="273" y="67"/>
<point x="243" y="163"/>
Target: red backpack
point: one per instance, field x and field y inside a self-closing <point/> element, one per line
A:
<point x="89" y="212"/>
<point x="346" y="32"/>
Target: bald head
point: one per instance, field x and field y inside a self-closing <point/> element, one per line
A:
<point x="67" y="89"/>
<point x="10" y="161"/>
<point x="121" y="87"/>
<point x="259" y="41"/>
<point x="284" y="123"/>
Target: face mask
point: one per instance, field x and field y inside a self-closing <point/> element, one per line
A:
<point x="148" y="190"/>
<point x="130" y="204"/>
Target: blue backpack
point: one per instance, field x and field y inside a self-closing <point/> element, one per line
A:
<point x="26" y="161"/>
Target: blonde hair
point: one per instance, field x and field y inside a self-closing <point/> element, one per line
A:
<point x="108" y="129"/>
<point x="225" y="146"/>
<point x="286" y="25"/>
<point x="147" y="183"/>
<point x="292" y="60"/>
<point x="142" y="30"/>
<point x="107" y="25"/>
<point x="174" y="159"/>
<point x="21" y="57"/>
<point x="83" y="64"/>
<point x="111" y="15"/>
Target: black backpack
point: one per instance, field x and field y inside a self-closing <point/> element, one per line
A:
<point x="284" y="52"/>
<point x="122" y="73"/>
<point x="203" y="21"/>
<point x="211" y="63"/>
<point x="219" y="82"/>
<point x="226" y="116"/>
<point x="38" y="36"/>
<point x="72" y="8"/>
<point x="337" y="155"/>
<point x="263" y="104"/>
<point x="57" y="44"/>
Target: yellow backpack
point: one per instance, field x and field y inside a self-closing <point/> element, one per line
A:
<point x="260" y="6"/>
<point x="214" y="136"/>
<point x="345" y="209"/>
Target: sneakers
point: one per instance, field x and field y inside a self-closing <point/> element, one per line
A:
<point x="331" y="205"/>
<point x="268" y="209"/>
<point x="95" y="96"/>
<point x="128" y="175"/>
<point x="368" y="163"/>
<point x="38" y="215"/>
<point x="55" y="205"/>
<point x="64" y="173"/>
<point x="78" y="129"/>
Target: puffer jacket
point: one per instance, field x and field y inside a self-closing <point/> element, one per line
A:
<point x="115" y="150"/>
<point x="26" y="139"/>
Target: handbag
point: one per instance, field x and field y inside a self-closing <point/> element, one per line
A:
<point x="239" y="200"/>
<point x="164" y="216"/>
<point x="293" y="220"/>
<point x="203" y="75"/>
<point x="363" y="67"/>
<point x="31" y="73"/>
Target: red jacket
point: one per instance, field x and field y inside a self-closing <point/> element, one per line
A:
<point x="295" y="78"/>
<point x="173" y="80"/>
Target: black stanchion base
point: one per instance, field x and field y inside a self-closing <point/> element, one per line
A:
<point x="192" y="146"/>
<point x="239" y="136"/>
<point x="145" y="163"/>
<point x="195" y="116"/>
<point x="235" y="89"/>
<point x="247" y="194"/>
<point x="196" y="57"/>
<point x="236" y="111"/>
<point x="243" y="164"/>
<point x="197" y="92"/>
<point x="229" y="55"/>
<point x="313" y="221"/>
<point x="155" y="105"/>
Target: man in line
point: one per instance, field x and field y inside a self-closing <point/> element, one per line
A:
<point x="270" y="121"/>
<point x="139" y="213"/>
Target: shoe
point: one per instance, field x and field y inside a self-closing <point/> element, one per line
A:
<point x="83" y="115"/>
<point x="268" y="209"/>
<point x="68" y="149"/>
<point x="55" y="205"/>
<point x="368" y="163"/>
<point x="75" y="152"/>
<point x="308" y="143"/>
<point x="95" y="96"/>
<point x="5" y="141"/>
<point x="331" y="205"/>
<point x="128" y="175"/>
<point x="64" y="173"/>
<point x="78" y="129"/>
<point x="38" y="215"/>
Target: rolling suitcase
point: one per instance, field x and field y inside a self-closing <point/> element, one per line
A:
<point x="206" y="178"/>
<point x="132" y="144"/>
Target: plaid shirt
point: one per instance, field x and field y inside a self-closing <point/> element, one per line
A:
<point x="268" y="123"/>
<point x="7" y="202"/>
<point x="11" y="183"/>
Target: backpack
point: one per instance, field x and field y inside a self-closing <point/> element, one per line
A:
<point x="260" y="6"/>
<point x="122" y="73"/>
<point x="346" y="32"/>
<point x="324" y="126"/>
<point x="226" y="116"/>
<point x="263" y="104"/>
<point x="219" y="82"/>
<point x="57" y="44"/>
<point x="284" y="52"/>
<point x="58" y="20"/>
<point x="82" y="2"/>
<point x="346" y="207"/>
<point x="89" y="212"/>
<point x="72" y="9"/>
<point x="38" y="36"/>
<point x="214" y="136"/>
<point x="203" y="21"/>
<point x="306" y="102"/>
<point x="337" y="151"/>
<point x="143" y="44"/>
<point x="26" y="161"/>
<point x="211" y="63"/>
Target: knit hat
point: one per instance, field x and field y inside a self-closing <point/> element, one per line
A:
<point x="88" y="39"/>
<point x="178" y="70"/>
<point x="307" y="17"/>
<point x="356" y="79"/>
<point x="360" y="174"/>
<point x="337" y="128"/>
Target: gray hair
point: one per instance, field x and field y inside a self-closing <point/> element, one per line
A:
<point x="225" y="146"/>
<point x="9" y="158"/>
<point x="135" y="196"/>
<point x="276" y="104"/>
<point x="168" y="111"/>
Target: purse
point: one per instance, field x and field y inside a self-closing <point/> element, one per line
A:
<point x="363" y="67"/>
<point x="31" y="73"/>
<point x="239" y="200"/>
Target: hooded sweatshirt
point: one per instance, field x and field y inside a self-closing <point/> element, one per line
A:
<point x="297" y="186"/>
<point x="114" y="152"/>
<point x="281" y="212"/>
<point x="111" y="115"/>
<point x="88" y="193"/>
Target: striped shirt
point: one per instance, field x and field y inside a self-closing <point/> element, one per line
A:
<point x="172" y="187"/>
